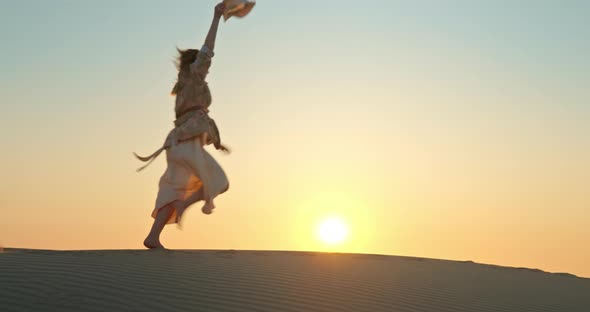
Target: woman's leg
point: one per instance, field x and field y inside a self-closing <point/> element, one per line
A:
<point x="198" y="164"/>
<point x="193" y="198"/>
<point x="153" y="238"/>
<point x="181" y="206"/>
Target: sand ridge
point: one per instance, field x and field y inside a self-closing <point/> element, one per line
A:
<point x="229" y="280"/>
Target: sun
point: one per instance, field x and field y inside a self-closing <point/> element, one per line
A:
<point x="332" y="231"/>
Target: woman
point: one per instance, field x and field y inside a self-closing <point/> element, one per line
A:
<point x="192" y="174"/>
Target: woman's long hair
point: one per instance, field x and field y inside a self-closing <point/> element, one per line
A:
<point x="182" y="62"/>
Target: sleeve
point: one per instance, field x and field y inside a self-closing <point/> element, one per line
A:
<point x="201" y="65"/>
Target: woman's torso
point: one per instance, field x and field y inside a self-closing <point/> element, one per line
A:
<point x="194" y="95"/>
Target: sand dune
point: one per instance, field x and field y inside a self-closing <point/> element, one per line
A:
<point x="130" y="280"/>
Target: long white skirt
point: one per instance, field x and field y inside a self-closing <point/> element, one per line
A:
<point x="190" y="167"/>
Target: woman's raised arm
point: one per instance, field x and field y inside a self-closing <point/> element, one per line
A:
<point x="210" y="40"/>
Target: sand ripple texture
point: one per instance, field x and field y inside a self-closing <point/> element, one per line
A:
<point x="142" y="280"/>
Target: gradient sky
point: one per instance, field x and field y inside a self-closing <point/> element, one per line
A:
<point x="443" y="129"/>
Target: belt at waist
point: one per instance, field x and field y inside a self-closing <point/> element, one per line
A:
<point x="212" y="130"/>
<point x="188" y="110"/>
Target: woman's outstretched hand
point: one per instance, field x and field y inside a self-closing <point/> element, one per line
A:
<point x="219" y="9"/>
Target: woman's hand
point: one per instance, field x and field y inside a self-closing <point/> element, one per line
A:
<point x="219" y="9"/>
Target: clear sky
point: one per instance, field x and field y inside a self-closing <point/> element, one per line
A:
<point x="444" y="129"/>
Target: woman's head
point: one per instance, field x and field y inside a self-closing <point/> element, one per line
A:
<point x="183" y="61"/>
<point x="185" y="58"/>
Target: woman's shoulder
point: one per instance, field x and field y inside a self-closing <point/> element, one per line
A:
<point x="200" y="67"/>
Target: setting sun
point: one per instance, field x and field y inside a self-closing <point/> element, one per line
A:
<point x="332" y="231"/>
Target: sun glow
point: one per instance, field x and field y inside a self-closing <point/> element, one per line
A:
<point x="332" y="231"/>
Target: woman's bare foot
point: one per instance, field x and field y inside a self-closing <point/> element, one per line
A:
<point x="153" y="243"/>
<point x="208" y="208"/>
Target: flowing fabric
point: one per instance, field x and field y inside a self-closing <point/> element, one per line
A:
<point x="190" y="172"/>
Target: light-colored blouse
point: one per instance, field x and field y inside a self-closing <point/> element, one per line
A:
<point x="195" y="93"/>
<point x="193" y="101"/>
<point x="192" y="107"/>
